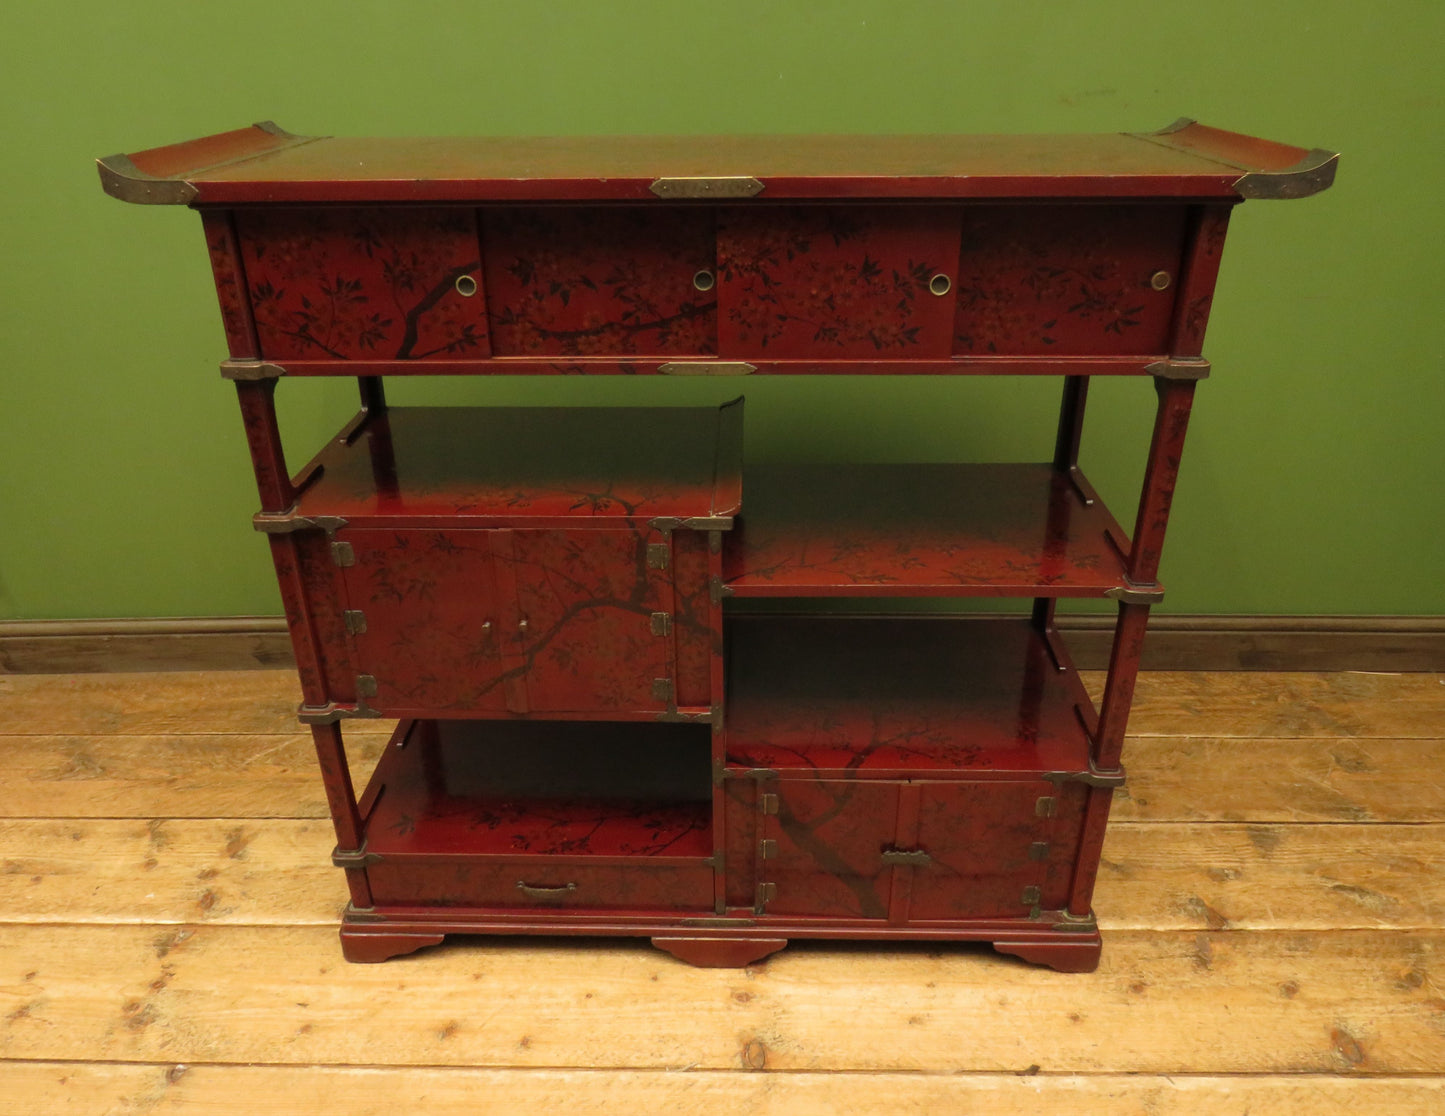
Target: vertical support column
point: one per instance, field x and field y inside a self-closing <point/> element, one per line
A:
<point x="1171" y="422"/>
<point x="263" y="436"/>
<point x="341" y="797"/>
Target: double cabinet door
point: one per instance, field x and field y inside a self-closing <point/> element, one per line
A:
<point x="909" y="852"/>
<point x="500" y="621"/>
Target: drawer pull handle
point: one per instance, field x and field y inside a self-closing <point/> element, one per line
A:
<point x="703" y="280"/>
<point x="466" y="286"/>
<point x="522" y="624"/>
<point x="906" y="857"/>
<point x="532" y="891"/>
<point x="940" y="284"/>
<point x="1160" y="280"/>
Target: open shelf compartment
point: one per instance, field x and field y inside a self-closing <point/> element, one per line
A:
<point x="938" y="530"/>
<point x="903" y="697"/>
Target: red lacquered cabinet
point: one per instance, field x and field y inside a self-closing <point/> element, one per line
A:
<point x="597" y="733"/>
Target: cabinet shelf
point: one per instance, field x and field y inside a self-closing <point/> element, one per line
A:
<point x="990" y="530"/>
<point x="947" y="697"/>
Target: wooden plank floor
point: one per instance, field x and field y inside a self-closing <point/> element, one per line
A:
<point x="1272" y="897"/>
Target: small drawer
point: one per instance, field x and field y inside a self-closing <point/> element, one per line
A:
<point x="542" y="884"/>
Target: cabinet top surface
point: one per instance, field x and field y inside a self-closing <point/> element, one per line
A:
<point x="265" y="164"/>
<point x="496" y="466"/>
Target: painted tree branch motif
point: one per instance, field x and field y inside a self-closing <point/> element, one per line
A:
<point x="354" y="284"/>
<point x="574" y="281"/>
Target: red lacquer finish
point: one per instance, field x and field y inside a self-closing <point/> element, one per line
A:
<point x="598" y="739"/>
<point x="1189" y="161"/>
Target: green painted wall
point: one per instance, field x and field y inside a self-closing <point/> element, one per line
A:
<point x="1310" y="485"/>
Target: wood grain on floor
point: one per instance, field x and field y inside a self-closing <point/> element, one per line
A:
<point x="1272" y="898"/>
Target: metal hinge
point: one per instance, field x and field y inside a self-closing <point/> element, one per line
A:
<point x="1039" y="850"/>
<point x="1030" y="896"/>
<point x="768" y="803"/>
<point x="366" y="685"/>
<point x="715" y="589"/>
<point x="355" y="621"/>
<point x="766" y="893"/>
<point x="768" y="848"/>
<point x="342" y="554"/>
<point x="1044" y="807"/>
<point x="658" y="556"/>
<point x="662" y="690"/>
<point x="661" y="623"/>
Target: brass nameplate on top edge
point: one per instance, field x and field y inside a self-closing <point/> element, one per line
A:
<point x="705" y="186"/>
<point x="706" y="368"/>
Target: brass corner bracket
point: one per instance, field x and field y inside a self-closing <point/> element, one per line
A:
<point x="1191" y="368"/>
<point x="250" y="371"/>
<point x="1313" y="173"/>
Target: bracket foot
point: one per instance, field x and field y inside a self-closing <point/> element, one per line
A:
<point x="720" y="953"/>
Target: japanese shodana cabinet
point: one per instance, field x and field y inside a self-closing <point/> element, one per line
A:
<point x="595" y="736"/>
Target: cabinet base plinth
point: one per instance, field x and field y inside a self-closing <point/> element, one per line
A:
<point x="372" y="946"/>
<point x="720" y="953"/>
<point x="1075" y="954"/>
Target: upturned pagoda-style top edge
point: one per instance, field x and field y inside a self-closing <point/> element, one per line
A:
<point x="265" y="164"/>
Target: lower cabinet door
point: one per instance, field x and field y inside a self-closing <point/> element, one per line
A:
<point x="986" y="849"/>
<point x="822" y="849"/>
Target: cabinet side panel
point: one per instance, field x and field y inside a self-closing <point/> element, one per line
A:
<point x="696" y="636"/>
<point x="325" y="603"/>
<point x="1068" y="280"/>
<point x="1201" y="271"/>
<point x="741" y="837"/>
<point x="364" y="284"/>
<point x="1065" y="845"/>
<point x="230" y="276"/>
